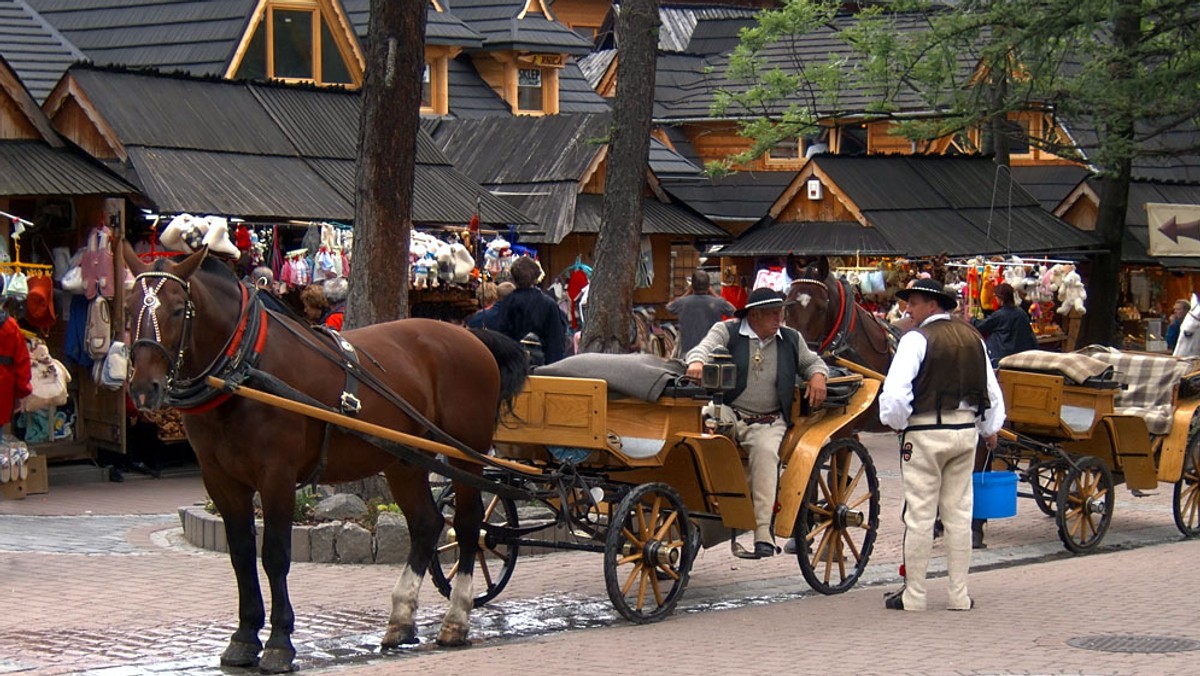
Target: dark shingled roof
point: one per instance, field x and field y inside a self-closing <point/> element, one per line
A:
<point x="470" y="96"/>
<point x="441" y="28"/>
<point x="35" y="51"/>
<point x="680" y="23"/>
<point x="744" y="196"/>
<point x="666" y="163"/>
<point x="197" y="37"/>
<point x="263" y="150"/>
<point x="686" y="85"/>
<point x="1050" y="184"/>
<point x="658" y="218"/>
<point x="575" y="95"/>
<point x="922" y="206"/>
<point x="33" y="168"/>
<point x="811" y="238"/>
<point x="1180" y="161"/>
<point x="497" y="22"/>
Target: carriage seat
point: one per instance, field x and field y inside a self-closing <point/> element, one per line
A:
<point x="1148" y="384"/>
<point x="1077" y="369"/>
<point x="641" y="376"/>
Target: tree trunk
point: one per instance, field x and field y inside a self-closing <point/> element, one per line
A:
<point x="387" y="150"/>
<point x="1104" y="285"/>
<point x="610" y="300"/>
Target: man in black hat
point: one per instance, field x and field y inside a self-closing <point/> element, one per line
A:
<point x="768" y="356"/>
<point x="940" y="395"/>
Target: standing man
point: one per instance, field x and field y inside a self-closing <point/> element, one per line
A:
<point x="698" y="310"/>
<point x="1178" y="313"/>
<point x="768" y="356"/>
<point x="940" y="393"/>
<point x="528" y="310"/>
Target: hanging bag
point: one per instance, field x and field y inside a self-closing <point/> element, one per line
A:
<point x="48" y="378"/>
<point x="98" y="332"/>
<point x="116" y="367"/>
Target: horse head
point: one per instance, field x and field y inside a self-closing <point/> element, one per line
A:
<point x="159" y="312"/>
<point x="1189" y="332"/>
<point x="810" y="298"/>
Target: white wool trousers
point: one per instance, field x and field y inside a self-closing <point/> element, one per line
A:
<point x="936" y="467"/>
<point x="761" y="442"/>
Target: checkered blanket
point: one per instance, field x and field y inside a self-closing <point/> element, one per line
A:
<point x="1148" y="383"/>
<point x="1073" y="366"/>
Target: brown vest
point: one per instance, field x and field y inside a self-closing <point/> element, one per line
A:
<point x="954" y="369"/>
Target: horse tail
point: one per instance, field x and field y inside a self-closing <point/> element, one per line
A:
<point x="513" y="362"/>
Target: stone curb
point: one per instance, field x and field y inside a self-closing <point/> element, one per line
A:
<point x="332" y="542"/>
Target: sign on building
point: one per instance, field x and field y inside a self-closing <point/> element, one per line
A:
<point x="1174" y="229"/>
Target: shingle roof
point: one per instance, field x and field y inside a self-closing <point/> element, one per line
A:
<point x="686" y="85"/>
<point x="262" y="150"/>
<point x="1050" y="184"/>
<point x="37" y="53"/>
<point x="575" y="95"/>
<point x="744" y="196"/>
<point x="470" y="96"/>
<point x="29" y="168"/>
<point x="596" y="64"/>
<point x="441" y="28"/>
<point x="658" y="218"/>
<point x="497" y="22"/>
<point x="1180" y="161"/>
<point x="193" y="36"/>
<point x="503" y="150"/>
<point x="679" y="22"/>
<point x="811" y="238"/>
<point x="924" y="205"/>
<point x="666" y="163"/>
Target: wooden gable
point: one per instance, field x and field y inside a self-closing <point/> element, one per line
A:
<point x="76" y="118"/>
<point x="332" y="18"/>
<point x="20" y="117"/>
<point x="794" y="205"/>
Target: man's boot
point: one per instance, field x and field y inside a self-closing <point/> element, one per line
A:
<point x="977" y="534"/>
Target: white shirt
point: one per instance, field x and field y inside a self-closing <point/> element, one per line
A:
<point x="896" y="399"/>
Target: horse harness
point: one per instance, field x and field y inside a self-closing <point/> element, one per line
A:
<point x="237" y="362"/>
<point x="837" y="340"/>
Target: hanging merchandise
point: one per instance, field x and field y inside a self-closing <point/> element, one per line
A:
<point x="48" y="378"/>
<point x="645" y="267"/>
<point x="188" y="233"/>
<point x="98" y="334"/>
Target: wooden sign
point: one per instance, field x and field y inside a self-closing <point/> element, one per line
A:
<point x="554" y="60"/>
<point x="1174" y="229"/>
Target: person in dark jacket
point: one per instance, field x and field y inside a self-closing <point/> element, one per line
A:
<point x="1180" y="311"/>
<point x="698" y="310"/>
<point x="528" y="310"/>
<point x="492" y="298"/>
<point x="1007" y="330"/>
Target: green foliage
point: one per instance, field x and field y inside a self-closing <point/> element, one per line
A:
<point x="375" y="507"/>
<point x="306" y="504"/>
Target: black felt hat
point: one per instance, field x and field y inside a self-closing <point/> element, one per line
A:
<point x="930" y="287"/>
<point x="760" y="298"/>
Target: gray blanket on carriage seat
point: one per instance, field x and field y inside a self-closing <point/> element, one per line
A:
<point x="643" y="376"/>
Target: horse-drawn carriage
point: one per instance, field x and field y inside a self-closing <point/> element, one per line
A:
<point x="271" y="403"/>
<point x="1080" y="423"/>
<point x="639" y="477"/>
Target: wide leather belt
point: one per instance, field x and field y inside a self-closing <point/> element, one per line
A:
<point x="756" y="418"/>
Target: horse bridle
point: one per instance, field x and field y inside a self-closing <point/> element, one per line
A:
<point x="836" y="340"/>
<point x="150" y="305"/>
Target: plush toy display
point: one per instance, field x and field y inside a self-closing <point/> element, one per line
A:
<point x="187" y="233"/>
<point x="1071" y="291"/>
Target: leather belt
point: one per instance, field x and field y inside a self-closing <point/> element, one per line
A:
<point x="756" y="418"/>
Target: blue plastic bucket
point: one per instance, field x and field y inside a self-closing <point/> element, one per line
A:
<point x="995" y="495"/>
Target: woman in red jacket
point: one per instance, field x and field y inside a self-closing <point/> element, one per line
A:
<point x="14" y="369"/>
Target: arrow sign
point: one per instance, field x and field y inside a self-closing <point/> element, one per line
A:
<point x="1174" y="228"/>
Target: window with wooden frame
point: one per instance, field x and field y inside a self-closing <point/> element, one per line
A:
<point x="788" y="153"/>
<point x="531" y="93"/>
<point x="293" y="41"/>
<point x="535" y="84"/>
<point x="435" y="95"/>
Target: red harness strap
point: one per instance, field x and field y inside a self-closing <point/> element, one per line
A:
<point x="235" y="344"/>
<point x="837" y="324"/>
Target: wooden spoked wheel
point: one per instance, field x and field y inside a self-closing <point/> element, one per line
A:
<point x="494" y="560"/>
<point x="1187" y="491"/>
<point x="648" y="553"/>
<point x="1085" y="505"/>
<point x="839" y="518"/>
<point x="1045" y="478"/>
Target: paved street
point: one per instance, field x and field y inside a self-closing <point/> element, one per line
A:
<point x="96" y="579"/>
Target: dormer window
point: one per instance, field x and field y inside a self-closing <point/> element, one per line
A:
<point x="530" y="94"/>
<point x="295" y="42"/>
<point x="426" y="89"/>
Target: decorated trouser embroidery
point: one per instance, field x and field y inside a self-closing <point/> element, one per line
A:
<point x="936" y="466"/>
<point x="761" y="442"/>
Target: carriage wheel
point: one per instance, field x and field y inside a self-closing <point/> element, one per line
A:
<point x="839" y="518"/>
<point x="1085" y="505"/>
<point x="648" y="553"/>
<point x="1187" y="491"/>
<point x="1045" y="478"/>
<point x="494" y="560"/>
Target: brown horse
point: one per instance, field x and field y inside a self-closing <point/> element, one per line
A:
<point x="191" y="319"/>
<point x="822" y="308"/>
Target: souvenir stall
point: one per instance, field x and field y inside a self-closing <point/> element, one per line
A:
<point x="62" y="289"/>
<point x="1148" y="293"/>
<point x="445" y="266"/>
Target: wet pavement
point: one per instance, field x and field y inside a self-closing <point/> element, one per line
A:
<point x="123" y="594"/>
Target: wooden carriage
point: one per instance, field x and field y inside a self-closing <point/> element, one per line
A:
<point x="1079" y="423"/>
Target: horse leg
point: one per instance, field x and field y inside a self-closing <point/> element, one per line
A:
<point x="279" y="505"/>
<point x="234" y="502"/>
<point x="468" y="516"/>
<point x="410" y="490"/>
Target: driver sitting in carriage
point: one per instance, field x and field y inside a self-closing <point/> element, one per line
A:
<point x="769" y="356"/>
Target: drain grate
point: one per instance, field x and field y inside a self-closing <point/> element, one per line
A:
<point x="1124" y="643"/>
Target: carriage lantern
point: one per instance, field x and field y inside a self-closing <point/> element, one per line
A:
<point x="720" y="373"/>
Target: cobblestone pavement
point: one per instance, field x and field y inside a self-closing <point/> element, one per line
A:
<point x="118" y="593"/>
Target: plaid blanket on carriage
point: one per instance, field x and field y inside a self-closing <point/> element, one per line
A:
<point x="1073" y="366"/>
<point x="1148" y="383"/>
